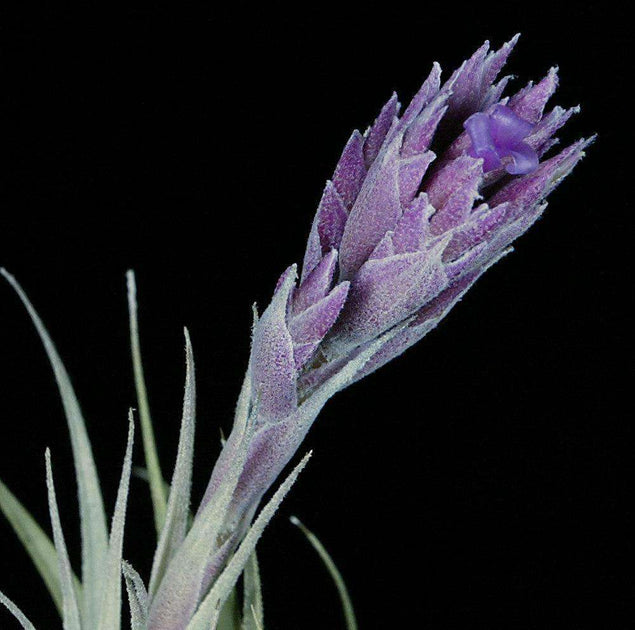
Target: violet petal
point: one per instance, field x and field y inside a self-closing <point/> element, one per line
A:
<point x="523" y="159"/>
<point x="499" y="135"/>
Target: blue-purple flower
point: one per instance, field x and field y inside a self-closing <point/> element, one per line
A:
<point x="498" y="137"/>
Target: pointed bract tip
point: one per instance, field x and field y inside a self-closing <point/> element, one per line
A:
<point x="288" y="277"/>
<point x="580" y="145"/>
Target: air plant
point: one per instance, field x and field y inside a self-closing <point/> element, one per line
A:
<point x="418" y="208"/>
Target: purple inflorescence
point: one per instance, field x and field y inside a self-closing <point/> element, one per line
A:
<point x="411" y="218"/>
<point x="498" y="139"/>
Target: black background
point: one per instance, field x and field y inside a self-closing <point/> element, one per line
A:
<point x="191" y="142"/>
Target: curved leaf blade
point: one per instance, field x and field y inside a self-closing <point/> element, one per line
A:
<point x="110" y="610"/>
<point x="229" y="617"/>
<point x="16" y="612"/>
<point x="137" y="597"/>
<point x="253" y="609"/>
<point x="177" y="515"/>
<point x="347" y="604"/>
<point x="36" y="542"/>
<point x="178" y="592"/>
<point x="70" y="606"/>
<point x="94" y="533"/>
<point x="155" y="477"/>
<point x="207" y="613"/>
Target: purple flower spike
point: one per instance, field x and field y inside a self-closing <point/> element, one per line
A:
<point x="416" y="211"/>
<point x="498" y="139"/>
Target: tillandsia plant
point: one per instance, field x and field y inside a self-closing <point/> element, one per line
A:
<point x="418" y="208"/>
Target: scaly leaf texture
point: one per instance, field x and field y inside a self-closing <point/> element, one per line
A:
<point x="158" y="491"/>
<point x="229" y="617"/>
<point x="70" y="615"/>
<point x="94" y="533"/>
<point x="241" y="418"/>
<point x="347" y="604"/>
<point x="253" y="609"/>
<point x="110" y="610"/>
<point x="137" y="597"/>
<point x="176" y="520"/>
<point x="37" y="544"/>
<point x="16" y="612"/>
<point x="312" y="404"/>
<point x="178" y="594"/>
<point x="208" y="610"/>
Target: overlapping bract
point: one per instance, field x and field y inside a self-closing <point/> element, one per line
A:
<point x="407" y="224"/>
<point x="410" y="220"/>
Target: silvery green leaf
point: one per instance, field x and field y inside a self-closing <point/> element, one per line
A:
<point x="137" y="597"/>
<point x="243" y="404"/>
<point x="175" y="524"/>
<point x="16" y="612"/>
<point x="241" y="419"/>
<point x="94" y="533"/>
<point x="110" y="610"/>
<point x="208" y="610"/>
<point x="157" y="486"/>
<point x="37" y="544"/>
<point x="253" y="609"/>
<point x="70" y="614"/>
<point x="178" y="594"/>
<point x="347" y="605"/>
<point x="229" y="617"/>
